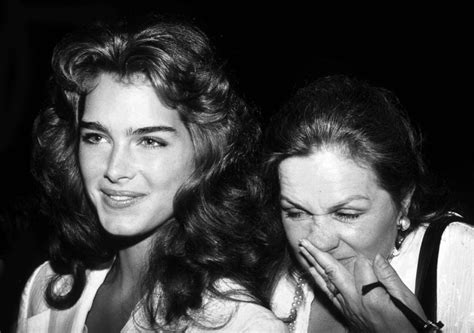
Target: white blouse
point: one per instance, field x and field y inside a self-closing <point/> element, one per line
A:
<point x="455" y="280"/>
<point x="36" y="316"/>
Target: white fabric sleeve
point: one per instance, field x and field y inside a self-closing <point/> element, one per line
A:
<point x="455" y="289"/>
<point x="31" y="295"/>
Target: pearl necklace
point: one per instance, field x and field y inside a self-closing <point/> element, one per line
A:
<point x="297" y="300"/>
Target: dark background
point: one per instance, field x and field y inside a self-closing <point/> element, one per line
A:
<point x="419" y="53"/>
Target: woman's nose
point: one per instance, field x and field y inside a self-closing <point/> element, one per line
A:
<point x="120" y="165"/>
<point x="323" y="234"/>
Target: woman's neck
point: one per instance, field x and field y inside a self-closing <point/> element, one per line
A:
<point x="119" y="294"/>
<point x="130" y="265"/>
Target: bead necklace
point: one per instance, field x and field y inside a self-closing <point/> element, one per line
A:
<point x="297" y="300"/>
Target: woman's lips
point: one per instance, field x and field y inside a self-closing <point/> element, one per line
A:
<point x="121" y="199"/>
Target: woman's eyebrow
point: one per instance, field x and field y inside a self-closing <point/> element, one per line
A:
<point x="333" y="207"/>
<point x="93" y="125"/>
<point x="96" y="126"/>
<point x="150" y="129"/>
<point x="294" y="204"/>
<point x="349" y="199"/>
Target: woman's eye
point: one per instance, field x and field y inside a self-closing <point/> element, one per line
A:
<point x="92" y="138"/>
<point x="149" y="142"/>
<point x="347" y="216"/>
<point x="293" y="214"/>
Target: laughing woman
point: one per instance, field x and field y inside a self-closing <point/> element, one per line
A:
<point x="141" y="156"/>
<point x="357" y="224"/>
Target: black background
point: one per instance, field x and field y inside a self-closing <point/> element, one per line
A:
<point x="421" y="54"/>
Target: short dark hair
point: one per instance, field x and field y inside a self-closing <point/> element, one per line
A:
<point x="214" y="211"/>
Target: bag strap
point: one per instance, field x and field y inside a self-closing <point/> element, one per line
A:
<point x="425" y="286"/>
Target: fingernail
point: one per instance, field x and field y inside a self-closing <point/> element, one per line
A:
<point x="304" y="242"/>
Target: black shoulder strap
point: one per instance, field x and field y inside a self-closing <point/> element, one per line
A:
<point x="425" y="287"/>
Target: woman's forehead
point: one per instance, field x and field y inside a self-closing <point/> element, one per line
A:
<point x="326" y="171"/>
<point x="326" y="179"/>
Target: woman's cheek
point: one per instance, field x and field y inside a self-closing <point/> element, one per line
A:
<point x="295" y="232"/>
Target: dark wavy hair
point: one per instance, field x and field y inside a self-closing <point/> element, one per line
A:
<point x="212" y="234"/>
<point x="369" y="125"/>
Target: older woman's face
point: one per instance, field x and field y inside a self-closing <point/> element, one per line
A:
<point x="134" y="154"/>
<point x="337" y="205"/>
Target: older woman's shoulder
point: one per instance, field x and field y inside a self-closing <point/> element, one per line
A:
<point x="455" y="252"/>
<point x="460" y="227"/>
<point x="458" y="234"/>
<point x="455" y="231"/>
<point x="455" y="275"/>
<point x="456" y="246"/>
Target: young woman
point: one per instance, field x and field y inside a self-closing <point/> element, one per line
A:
<point x="142" y="156"/>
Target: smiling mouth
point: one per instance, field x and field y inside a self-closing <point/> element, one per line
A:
<point x="121" y="199"/>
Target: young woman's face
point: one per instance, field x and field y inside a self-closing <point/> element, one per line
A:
<point x="134" y="154"/>
<point x="337" y="205"/>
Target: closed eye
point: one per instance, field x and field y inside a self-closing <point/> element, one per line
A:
<point x="294" y="213"/>
<point x="346" y="217"/>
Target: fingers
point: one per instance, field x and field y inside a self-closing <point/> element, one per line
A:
<point x="374" y="297"/>
<point x="363" y="273"/>
<point x="317" y="272"/>
<point x="329" y="267"/>
<point x="369" y="287"/>
<point x="305" y="261"/>
<point x="370" y="311"/>
<point x="395" y="286"/>
<point x="387" y="275"/>
<point x="328" y="288"/>
<point x="321" y="280"/>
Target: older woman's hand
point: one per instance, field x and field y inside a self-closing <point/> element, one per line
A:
<point x="372" y="312"/>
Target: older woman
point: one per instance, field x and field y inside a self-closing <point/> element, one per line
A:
<point x="142" y="155"/>
<point x="352" y="202"/>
